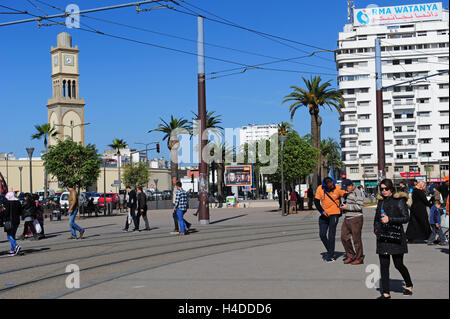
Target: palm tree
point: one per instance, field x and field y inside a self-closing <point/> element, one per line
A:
<point x="225" y="153"/>
<point x="118" y="144"/>
<point x="313" y="97"/>
<point x="173" y="143"/>
<point x="330" y="152"/>
<point x="44" y="130"/>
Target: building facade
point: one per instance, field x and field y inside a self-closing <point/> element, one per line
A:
<point x="253" y="133"/>
<point x="416" y="114"/>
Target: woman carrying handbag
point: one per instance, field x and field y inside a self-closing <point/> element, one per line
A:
<point x="390" y="215"/>
<point x="10" y="219"/>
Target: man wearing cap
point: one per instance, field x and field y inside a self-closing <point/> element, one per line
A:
<point x="353" y="222"/>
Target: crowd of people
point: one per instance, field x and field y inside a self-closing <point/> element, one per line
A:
<point x="395" y="207"/>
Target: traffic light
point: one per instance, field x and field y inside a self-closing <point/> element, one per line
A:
<point x="157" y="147"/>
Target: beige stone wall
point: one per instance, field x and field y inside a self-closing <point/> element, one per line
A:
<point x="13" y="174"/>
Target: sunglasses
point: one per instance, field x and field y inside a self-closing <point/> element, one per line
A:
<point x="384" y="189"/>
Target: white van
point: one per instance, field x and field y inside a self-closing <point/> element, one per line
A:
<point x="64" y="200"/>
<point x="50" y="192"/>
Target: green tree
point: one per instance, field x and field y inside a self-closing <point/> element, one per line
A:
<point x="136" y="174"/>
<point x="44" y="131"/>
<point x="118" y="145"/>
<point x="171" y="129"/>
<point x="73" y="164"/>
<point x="300" y="159"/>
<point x="315" y="95"/>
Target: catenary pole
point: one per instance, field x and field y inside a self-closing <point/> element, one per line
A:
<point x="203" y="183"/>
<point x="380" y="113"/>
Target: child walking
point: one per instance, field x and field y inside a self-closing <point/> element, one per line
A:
<point x="435" y="222"/>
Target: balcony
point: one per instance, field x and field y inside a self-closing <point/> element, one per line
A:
<point x="405" y="147"/>
<point x="404" y="106"/>
<point x="404" y="120"/>
<point x="349" y="122"/>
<point x="350" y="149"/>
<point x="349" y="135"/>
<point x="404" y="134"/>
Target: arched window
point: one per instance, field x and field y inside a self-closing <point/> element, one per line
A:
<point x="74" y="90"/>
<point x="69" y="91"/>
<point x="64" y="88"/>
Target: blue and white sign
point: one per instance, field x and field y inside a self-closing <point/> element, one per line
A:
<point x="398" y="14"/>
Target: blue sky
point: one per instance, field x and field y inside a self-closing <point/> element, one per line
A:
<point x="127" y="86"/>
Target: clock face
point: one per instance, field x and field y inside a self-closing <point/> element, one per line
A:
<point x="68" y="59"/>
<point x="55" y="60"/>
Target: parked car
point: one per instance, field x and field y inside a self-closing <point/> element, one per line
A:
<point x="64" y="200"/>
<point x="95" y="196"/>
<point x="50" y="192"/>
<point x="167" y="194"/>
<point x="110" y="198"/>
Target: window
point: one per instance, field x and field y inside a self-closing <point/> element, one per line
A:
<point x="414" y="169"/>
<point x="444" y="167"/>
<point x="408" y="61"/>
<point x="364" y="117"/>
<point x="366" y="156"/>
<point x="411" y="142"/>
<point x="445" y="140"/>
<point x="364" y="90"/>
<point x="354" y="170"/>
<point x="398" y="169"/>
<point x="425" y="141"/>
<point x="422" y="34"/>
<point x="398" y="116"/>
<point x="425" y="154"/>
<point x="444" y="154"/>
<point x="410" y="128"/>
<point x="352" y="131"/>
<point x="387" y="142"/>
<point x="399" y="156"/>
<point x="364" y="129"/>
<point x="386" y="102"/>
<point x="387" y="115"/>
<point x="388" y="128"/>
<point x="423" y="101"/>
<point x="398" y="142"/>
<point x="396" y="62"/>
<point x="425" y="127"/>
<point x="444" y="127"/>
<point x="369" y="170"/>
<point x="398" y="129"/>
<point x="443" y="86"/>
<point x="423" y="114"/>
<point x="411" y="155"/>
<point x="351" y="91"/>
<point x="443" y="99"/>
<point x="363" y="103"/>
<point x="409" y="115"/>
<point x="365" y="143"/>
<point x="444" y="113"/>
<point x="443" y="59"/>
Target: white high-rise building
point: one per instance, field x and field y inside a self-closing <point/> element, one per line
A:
<point x="253" y="133"/>
<point x="414" y="43"/>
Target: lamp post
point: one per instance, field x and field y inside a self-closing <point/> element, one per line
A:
<point x="156" y="191"/>
<point x="72" y="127"/>
<point x="283" y="138"/>
<point x="7" y="170"/>
<point x="30" y="151"/>
<point x="20" y="170"/>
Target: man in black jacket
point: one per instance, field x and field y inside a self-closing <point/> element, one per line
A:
<point x="131" y="205"/>
<point x="142" y="208"/>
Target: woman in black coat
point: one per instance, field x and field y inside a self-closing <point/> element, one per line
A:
<point x="391" y="210"/>
<point x="10" y="214"/>
<point x="419" y="225"/>
<point x="29" y="215"/>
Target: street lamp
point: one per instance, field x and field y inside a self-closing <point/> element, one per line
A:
<point x="20" y="169"/>
<point x="156" y="191"/>
<point x="7" y="170"/>
<point x="283" y="138"/>
<point x="30" y="151"/>
<point x="71" y="126"/>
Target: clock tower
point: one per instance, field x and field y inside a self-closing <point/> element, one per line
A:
<point x="66" y="108"/>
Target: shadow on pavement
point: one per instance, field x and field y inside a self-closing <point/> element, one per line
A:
<point x="225" y="219"/>
<point x="395" y="285"/>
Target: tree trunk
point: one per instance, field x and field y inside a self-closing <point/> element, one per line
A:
<point x="316" y="121"/>
<point x="220" y="180"/>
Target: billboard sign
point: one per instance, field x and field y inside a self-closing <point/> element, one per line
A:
<point x="398" y="14"/>
<point x="238" y="175"/>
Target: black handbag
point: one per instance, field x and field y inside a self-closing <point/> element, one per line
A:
<point x="8" y="224"/>
<point x="389" y="233"/>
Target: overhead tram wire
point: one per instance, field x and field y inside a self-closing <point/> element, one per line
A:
<point x="291" y="60"/>
<point x="265" y="35"/>
<point x="173" y="49"/>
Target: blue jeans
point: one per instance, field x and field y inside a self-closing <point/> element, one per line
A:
<point x="11" y="237"/>
<point x="74" y="227"/>
<point x="328" y="224"/>
<point x="181" y="223"/>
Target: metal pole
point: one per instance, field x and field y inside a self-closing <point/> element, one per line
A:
<point x="104" y="186"/>
<point x="283" y="201"/>
<point x="20" y="169"/>
<point x="30" y="154"/>
<point x="7" y="171"/>
<point x="380" y="117"/>
<point x="203" y="182"/>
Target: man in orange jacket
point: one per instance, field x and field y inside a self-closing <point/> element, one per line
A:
<point x="327" y="202"/>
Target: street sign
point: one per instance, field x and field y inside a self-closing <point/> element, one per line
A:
<point x="115" y="185"/>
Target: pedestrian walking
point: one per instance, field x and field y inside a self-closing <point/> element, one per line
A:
<point x="131" y="203"/>
<point x="310" y="197"/>
<point x="327" y="202"/>
<point x="29" y="215"/>
<point x="419" y="227"/>
<point x="73" y="210"/>
<point x="293" y="202"/>
<point x="352" y="208"/>
<point x="390" y="215"/>
<point x="435" y="222"/>
<point x="403" y="188"/>
<point x="142" y="208"/>
<point x="10" y="219"/>
<point x="176" y="229"/>
<point x="180" y="207"/>
<point x="39" y="215"/>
